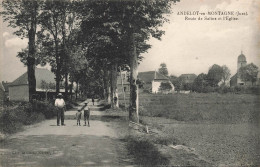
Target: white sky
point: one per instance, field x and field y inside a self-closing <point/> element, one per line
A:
<point x="186" y="47"/>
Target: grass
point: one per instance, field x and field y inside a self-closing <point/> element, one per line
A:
<point x="145" y="153"/>
<point x="213" y="107"/>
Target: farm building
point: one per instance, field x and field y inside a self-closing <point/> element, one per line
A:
<point x="19" y="88"/>
<point x="152" y="81"/>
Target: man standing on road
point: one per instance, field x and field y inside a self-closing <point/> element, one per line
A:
<point x="93" y="100"/>
<point x="60" y="104"/>
<point x="86" y="113"/>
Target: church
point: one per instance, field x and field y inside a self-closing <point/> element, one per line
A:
<point x="236" y="80"/>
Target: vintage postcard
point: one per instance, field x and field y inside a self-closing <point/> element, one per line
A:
<point x="130" y="83"/>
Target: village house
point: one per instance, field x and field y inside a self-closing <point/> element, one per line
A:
<point x="152" y="81"/>
<point x="19" y="88"/>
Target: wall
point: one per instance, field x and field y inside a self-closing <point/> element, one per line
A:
<point x="19" y="93"/>
<point x="155" y="86"/>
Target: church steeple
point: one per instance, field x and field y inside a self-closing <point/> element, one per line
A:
<point x="241" y="61"/>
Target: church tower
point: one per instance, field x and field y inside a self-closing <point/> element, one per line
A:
<point x="241" y="62"/>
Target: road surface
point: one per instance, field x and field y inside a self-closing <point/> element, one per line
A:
<point x="46" y="144"/>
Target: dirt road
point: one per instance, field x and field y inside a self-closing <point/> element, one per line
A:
<point x="46" y="144"/>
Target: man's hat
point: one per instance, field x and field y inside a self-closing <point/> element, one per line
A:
<point x="86" y="102"/>
<point x="59" y="94"/>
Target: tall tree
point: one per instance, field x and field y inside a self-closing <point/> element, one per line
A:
<point x="163" y="69"/>
<point x="215" y="74"/>
<point x="248" y="73"/>
<point x="142" y="20"/>
<point x="226" y="73"/>
<point x="53" y="23"/>
<point x="200" y="83"/>
<point x="23" y="15"/>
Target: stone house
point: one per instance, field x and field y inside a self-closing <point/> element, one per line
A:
<point x="152" y="81"/>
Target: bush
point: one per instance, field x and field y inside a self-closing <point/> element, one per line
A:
<point x="46" y="108"/>
<point x="13" y="119"/>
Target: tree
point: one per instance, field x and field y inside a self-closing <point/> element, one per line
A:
<point x="215" y="75"/>
<point x="163" y="69"/>
<point x="143" y="19"/>
<point x="47" y="87"/>
<point x="165" y="86"/>
<point x="226" y="73"/>
<point x="24" y="15"/>
<point x="248" y="73"/>
<point x="200" y="83"/>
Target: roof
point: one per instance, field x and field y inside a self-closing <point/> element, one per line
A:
<point x="241" y="57"/>
<point x="149" y="76"/>
<point x="40" y="74"/>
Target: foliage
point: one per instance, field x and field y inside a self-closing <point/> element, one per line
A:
<point x="47" y="86"/>
<point x="14" y="118"/>
<point x="163" y="69"/>
<point x="248" y="73"/>
<point x="176" y="81"/>
<point x="200" y="83"/>
<point x="165" y="86"/>
<point x="226" y="73"/>
<point x="23" y="16"/>
<point x="215" y="75"/>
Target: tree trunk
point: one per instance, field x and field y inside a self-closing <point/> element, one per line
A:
<point x="31" y="58"/>
<point x="106" y="84"/>
<point x="123" y="90"/>
<point x="58" y="63"/>
<point x="113" y="83"/>
<point x="66" y="86"/>
<point x="77" y="89"/>
<point x="133" y="104"/>
<point x="64" y="51"/>
<point x="71" y="87"/>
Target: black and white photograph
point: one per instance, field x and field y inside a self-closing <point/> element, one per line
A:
<point x="129" y="83"/>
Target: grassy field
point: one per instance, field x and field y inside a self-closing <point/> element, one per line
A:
<point x="223" y="129"/>
<point x="212" y="107"/>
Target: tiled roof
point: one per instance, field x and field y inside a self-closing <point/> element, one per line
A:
<point x="40" y="74"/>
<point x="149" y="76"/>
